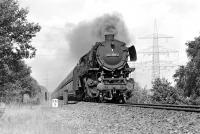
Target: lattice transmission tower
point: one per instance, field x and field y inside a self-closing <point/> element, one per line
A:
<point x="155" y="51"/>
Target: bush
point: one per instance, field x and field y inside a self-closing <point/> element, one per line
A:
<point x="140" y="95"/>
<point x="193" y="100"/>
<point x="164" y="93"/>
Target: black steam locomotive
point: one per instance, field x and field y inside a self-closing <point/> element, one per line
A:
<point x="101" y="74"/>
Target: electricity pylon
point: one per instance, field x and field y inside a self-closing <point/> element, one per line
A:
<point x="155" y="51"/>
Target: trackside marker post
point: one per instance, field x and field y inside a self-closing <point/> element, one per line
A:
<point x="55" y="103"/>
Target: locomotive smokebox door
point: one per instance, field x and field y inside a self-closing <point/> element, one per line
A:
<point x="112" y="54"/>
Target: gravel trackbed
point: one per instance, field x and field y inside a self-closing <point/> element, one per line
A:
<point x="94" y="118"/>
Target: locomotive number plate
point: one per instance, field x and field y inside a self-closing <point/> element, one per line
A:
<point x="112" y="55"/>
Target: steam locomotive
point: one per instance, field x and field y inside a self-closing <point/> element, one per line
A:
<point x="101" y="74"/>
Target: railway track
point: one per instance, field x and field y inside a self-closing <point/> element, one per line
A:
<point x="187" y="108"/>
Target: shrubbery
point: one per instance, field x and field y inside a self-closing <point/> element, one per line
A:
<point x="164" y="93"/>
<point x="140" y="95"/>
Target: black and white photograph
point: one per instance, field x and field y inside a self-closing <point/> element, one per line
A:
<point x="99" y="66"/>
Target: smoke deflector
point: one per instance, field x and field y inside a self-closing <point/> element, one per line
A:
<point x="132" y="53"/>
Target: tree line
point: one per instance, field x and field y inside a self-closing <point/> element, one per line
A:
<point x="16" y="34"/>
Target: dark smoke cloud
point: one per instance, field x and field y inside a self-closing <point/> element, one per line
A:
<point x="85" y="34"/>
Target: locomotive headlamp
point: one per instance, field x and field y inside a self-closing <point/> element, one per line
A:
<point x="99" y="79"/>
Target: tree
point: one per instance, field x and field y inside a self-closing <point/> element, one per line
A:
<point x="187" y="77"/>
<point x="16" y="34"/>
<point x="163" y="92"/>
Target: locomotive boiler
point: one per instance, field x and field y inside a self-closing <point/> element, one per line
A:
<point x="101" y="74"/>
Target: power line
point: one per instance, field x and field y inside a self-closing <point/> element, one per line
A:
<point x="156" y="67"/>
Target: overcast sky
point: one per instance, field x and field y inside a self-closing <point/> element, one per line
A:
<point x="177" y="18"/>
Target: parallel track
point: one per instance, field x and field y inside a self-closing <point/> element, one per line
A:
<point x="187" y="108"/>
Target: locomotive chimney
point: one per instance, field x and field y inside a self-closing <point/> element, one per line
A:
<point x="109" y="37"/>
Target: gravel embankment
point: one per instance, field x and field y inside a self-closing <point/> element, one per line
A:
<point x="101" y="118"/>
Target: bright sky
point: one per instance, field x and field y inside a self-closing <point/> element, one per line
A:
<point x="177" y="18"/>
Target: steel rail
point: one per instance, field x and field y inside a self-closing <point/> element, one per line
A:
<point x="187" y="108"/>
<point x="169" y="105"/>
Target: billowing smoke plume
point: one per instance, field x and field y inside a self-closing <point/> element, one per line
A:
<point x="85" y="34"/>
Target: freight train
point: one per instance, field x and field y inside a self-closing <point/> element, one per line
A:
<point x="102" y="74"/>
